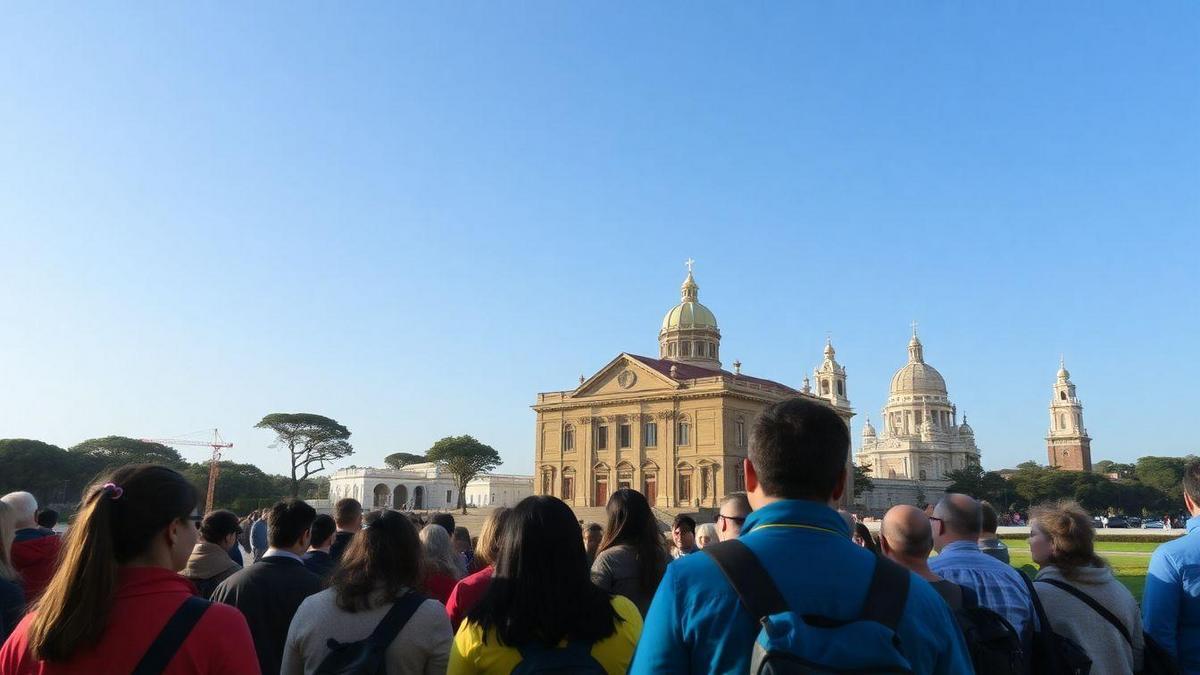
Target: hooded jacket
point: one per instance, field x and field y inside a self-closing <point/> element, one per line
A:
<point x="208" y="566"/>
<point x="35" y="555"/>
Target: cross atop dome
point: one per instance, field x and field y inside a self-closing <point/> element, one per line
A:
<point x="689" y="262"/>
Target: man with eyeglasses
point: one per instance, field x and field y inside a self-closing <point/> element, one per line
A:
<point x="733" y="512"/>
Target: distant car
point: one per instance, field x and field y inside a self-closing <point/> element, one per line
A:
<point x="1134" y="521"/>
<point x="1117" y="521"/>
<point x="1097" y="522"/>
<point x="1152" y="525"/>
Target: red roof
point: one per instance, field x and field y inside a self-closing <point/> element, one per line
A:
<point x="687" y="371"/>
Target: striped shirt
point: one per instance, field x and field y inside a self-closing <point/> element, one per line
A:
<point x="1000" y="587"/>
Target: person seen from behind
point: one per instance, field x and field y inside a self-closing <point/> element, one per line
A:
<point x="862" y="536"/>
<point x="989" y="541"/>
<point x="259" y="538"/>
<point x="1171" y="599"/>
<point x="445" y="521"/>
<point x="795" y="475"/>
<point x="464" y="549"/>
<point x="12" y="598"/>
<point x="906" y="538"/>
<point x="317" y="559"/>
<point x="733" y="512"/>
<point x="210" y="564"/>
<point x="542" y="596"/>
<point x="592" y="534"/>
<point x="470" y="589"/>
<point x="683" y="534"/>
<point x="106" y="606"/>
<point x="375" y="580"/>
<point x="440" y="565"/>
<point x="633" y="555"/>
<point x="46" y="520"/>
<point x="347" y="514"/>
<point x="269" y="591"/>
<point x="1061" y="541"/>
<point x="999" y="587"/>
<point x="34" y="552"/>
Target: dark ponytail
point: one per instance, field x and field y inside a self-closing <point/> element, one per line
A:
<point x="118" y="518"/>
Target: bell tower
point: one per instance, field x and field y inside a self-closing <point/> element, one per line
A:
<point x="1068" y="445"/>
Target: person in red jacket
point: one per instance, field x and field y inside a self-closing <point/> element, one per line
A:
<point x="466" y="593"/>
<point x="105" y="608"/>
<point x="34" y="551"/>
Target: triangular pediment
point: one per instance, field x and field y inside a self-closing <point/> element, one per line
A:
<point x="624" y="375"/>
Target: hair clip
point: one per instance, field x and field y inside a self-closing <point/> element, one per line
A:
<point x="115" y="490"/>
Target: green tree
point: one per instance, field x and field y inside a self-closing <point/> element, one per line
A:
<point x="311" y="440"/>
<point x="464" y="458"/>
<point x="862" y="479"/>
<point x="399" y="459"/>
<point x="240" y="487"/>
<point x="52" y="474"/>
<point x="1164" y="474"/>
<point x="111" y="452"/>
<point x="1108" y="466"/>
<point x="973" y="480"/>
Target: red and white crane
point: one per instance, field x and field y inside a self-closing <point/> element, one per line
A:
<point x="214" y="466"/>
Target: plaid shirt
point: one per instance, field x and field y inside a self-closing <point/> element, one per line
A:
<point x="1000" y="587"/>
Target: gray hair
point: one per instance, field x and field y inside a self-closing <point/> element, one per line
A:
<point x="23" y="504"/>
<point x="439" y="554"/>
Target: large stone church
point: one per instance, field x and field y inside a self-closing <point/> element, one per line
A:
<point x="921" y="439"/>
<point x="674" y="426"/>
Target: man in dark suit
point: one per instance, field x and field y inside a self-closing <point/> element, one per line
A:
<point x="317" y="560"/>
<point x="348" y="515"/>
<point x="269" y="591"/>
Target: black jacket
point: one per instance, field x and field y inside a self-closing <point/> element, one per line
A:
<point x="268" y="594"/>
<point x="319" y="563"/>
<point x="340" y="539"/>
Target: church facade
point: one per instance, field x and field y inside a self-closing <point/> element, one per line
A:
<point x="920" y="438"/>
<point x="675" y="426"/>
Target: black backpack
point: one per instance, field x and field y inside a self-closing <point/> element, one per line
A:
<point x="575" y="658"/>
<point x="1155" y="659"/>
<point x="366" y="657"/>
<point x="993" y="643"/>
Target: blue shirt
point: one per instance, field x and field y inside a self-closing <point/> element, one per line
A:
<point x="258" y="537"/>
<point x="1171" y="600"/>
<point x="696" y="624"/>
<point x="1000" y="587"/>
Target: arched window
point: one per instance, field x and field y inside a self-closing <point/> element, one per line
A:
<point x="739" y="432"/>
<point x="1062" y="421"/>
<point x="1062" y="395"/>
<point x="824" y="387"/>
<point x="922" y="474"/>
<point x="685" y="349"/>
<point x="671" y="349"/>
<point x="568" y="440"/>
<point x="381" y="495"/>
<point x="841" y="387"/>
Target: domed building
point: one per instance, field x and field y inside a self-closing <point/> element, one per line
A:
<point x="674" y="427"/>
<point x="920" y="439"/>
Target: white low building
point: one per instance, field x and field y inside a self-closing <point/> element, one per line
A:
<point x="416" y="487"/>
<point x="424" y="487"/>
<point x="496" y="489"/>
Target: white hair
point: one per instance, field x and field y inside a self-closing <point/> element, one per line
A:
<point x="24" y="506"/>
<point x="708" y="530"/>
<point x="439" y="554"/>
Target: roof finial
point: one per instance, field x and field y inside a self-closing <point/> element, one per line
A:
<point x="914" y="327"/>
<point x="737" y="367"/>
<point x="689" y="262"/>
<point x="581" y="378"/>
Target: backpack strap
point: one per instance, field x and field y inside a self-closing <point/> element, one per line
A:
<point x="1091" y="602"/>
<point x="172" y="636"/>
<point x="887" y="594"/>
<point x="749" y="578"/>
<point x="1042" y="624"/>
<point x="393" y="622"/>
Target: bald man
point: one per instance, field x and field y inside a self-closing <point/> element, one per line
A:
<point x="907" y="538"/>
<point x="957" y="520"/>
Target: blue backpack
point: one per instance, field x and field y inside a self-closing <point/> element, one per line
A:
<point x="792" y="643"/>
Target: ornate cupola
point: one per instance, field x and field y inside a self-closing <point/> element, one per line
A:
<point x="689" y="331"/>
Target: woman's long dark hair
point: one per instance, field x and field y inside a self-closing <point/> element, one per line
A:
<point x="632" y="523"/>
<point x="118" y="518"/>
<point x="542" y="590"/>
<point x="385" y="556"/>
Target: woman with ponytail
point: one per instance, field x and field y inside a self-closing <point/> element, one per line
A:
<point x="116" y="604"/>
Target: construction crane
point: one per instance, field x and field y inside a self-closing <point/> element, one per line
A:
<point x="214" y="465"/>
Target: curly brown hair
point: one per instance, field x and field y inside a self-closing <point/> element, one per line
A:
<point x="1072" y="534"/>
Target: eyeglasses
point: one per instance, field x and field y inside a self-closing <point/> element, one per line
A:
<point x="735" y="519"/>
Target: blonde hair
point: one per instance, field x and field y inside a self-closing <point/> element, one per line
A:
<point x="439" y="554"/>
<point x="707" y="530"/>
<point x="1071" y="534"/>
<point x="488" y="546"/>
<point x="8" y="530"/>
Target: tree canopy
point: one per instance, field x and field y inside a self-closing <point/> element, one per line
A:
<point x="113" y="451"/>
<point x="862" y="479"/>
<point x="399" y="459"/>
<point x="465" y="458"/>
<point x="312" y="441"/>
<point x="49" y="472"/>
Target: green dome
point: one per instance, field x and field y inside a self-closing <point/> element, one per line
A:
<point x="689" y="315"/>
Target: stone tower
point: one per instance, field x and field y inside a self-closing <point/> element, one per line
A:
<point x="831" y="379"/>
<point x="1067" y="445"/>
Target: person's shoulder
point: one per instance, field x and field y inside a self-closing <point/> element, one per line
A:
<point x="222" y="618"/>
<point x="625" y="607"/>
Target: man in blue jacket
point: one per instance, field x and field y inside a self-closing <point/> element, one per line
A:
<point x="1171" y="600"/>
<point x="795" y="473"/>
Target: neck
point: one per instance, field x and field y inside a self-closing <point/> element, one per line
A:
<point x="298" y="549"/>
<point x="919" y="566"/>
<point x="988" y="535"/>
<point x="323" y="549"/>
<point x="952" y="538"/>
<point x="152" y="558"/>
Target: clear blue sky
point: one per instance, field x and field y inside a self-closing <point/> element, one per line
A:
<point x="412" y="219"/>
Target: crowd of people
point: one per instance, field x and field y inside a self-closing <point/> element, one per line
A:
<point x="141" y="583"/>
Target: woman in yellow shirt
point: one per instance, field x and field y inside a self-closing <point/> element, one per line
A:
<point x="542" y="609"/>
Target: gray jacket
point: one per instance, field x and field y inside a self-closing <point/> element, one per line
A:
<point x="1070" y="616"/>
<point x="616" y="571"/>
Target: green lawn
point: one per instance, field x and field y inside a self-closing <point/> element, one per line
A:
<point x="1129" y="561"/>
